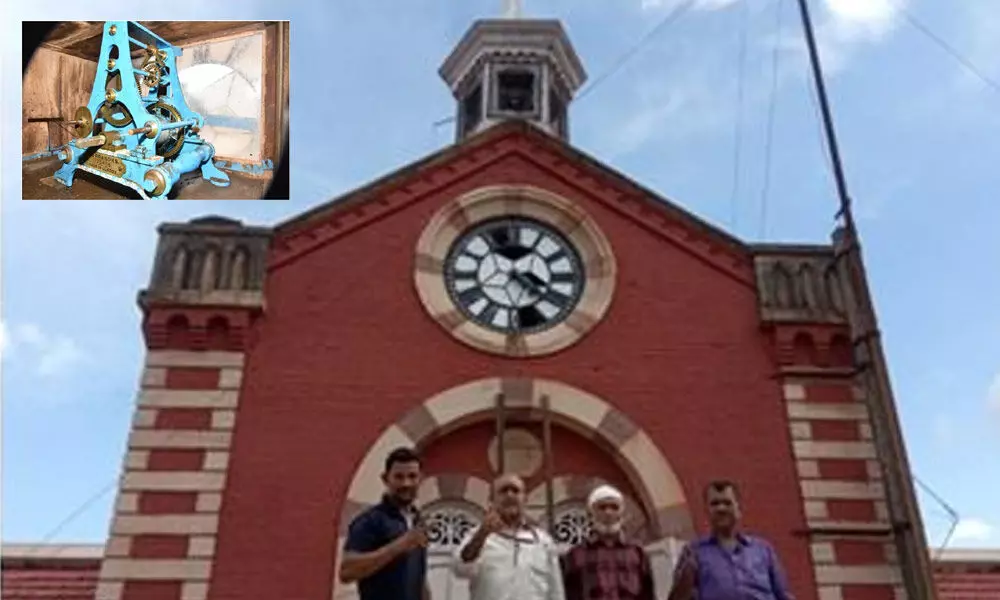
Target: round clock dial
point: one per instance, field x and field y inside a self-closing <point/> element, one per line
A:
<point x="514" y="275"/>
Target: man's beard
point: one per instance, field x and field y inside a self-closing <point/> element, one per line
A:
<point x="607" y="528"/>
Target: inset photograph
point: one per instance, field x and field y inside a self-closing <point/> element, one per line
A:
<point x="185" y="110"/>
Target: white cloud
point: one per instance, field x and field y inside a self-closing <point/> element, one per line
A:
<point x="698" y="100"/>
<point x="29" y="333"/>
<point x="993" y="395"/>
<point x="844" y="27"/>
<point x="62" y="353"/>
<point x="874" y="17"/>
<point x="48" y="355"/>
<point x="973" y="530"/>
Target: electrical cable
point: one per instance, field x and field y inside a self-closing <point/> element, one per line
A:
<point x="738" y="124"/>
<point x="664" y="23"/>
<point x="769" y="134"/>
<point x="82" y="508"/>
<point x="950" y="50"/>
<point x="952" y="513"/>
<point x="86" y="504"/>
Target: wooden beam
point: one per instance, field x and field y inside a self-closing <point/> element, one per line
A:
<point x="269" y="90"/>
<point x="550" y="509"/>
<point x="222" y="34"/>
<point x="74" y="52"/>
<point x="501" y="424"/>
<point x="85" y="31"/>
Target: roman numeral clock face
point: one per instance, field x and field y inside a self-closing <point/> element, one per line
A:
<point x="514" y="275"/>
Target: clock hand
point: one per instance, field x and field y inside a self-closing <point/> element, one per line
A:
<point x="525" y="282"/>
<point x="537" y="281"/>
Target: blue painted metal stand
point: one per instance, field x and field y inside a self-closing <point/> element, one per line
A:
<point x="251" y="168"/>
<point x="137" y="129"/>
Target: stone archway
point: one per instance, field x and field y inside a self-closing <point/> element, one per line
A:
<point x="661" y="496"/>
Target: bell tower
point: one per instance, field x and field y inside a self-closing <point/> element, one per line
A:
<point x="513" y="68"/>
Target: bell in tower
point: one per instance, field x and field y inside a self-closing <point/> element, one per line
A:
<point x="513" y="68"/>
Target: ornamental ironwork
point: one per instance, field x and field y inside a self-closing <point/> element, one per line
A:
<point x="572" y="526"/>
<point x="447" y="526"/>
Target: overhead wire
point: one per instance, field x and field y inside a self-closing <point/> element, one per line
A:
<point x="952" y="513"/>
<point x="950" y="50"/>
<point x="663" y="24"/>
<point x="742" y="28"/>
<point x="772" y="103"/>
<point x="82" y="508"/>
<point x="670" y="18"/>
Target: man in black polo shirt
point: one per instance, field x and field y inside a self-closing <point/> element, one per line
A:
<point x="385" y="550"/>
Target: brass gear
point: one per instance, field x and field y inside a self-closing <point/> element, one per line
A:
<point x="84" y="122"/>
<point x="164" y="111"/>
<point x="152" y="66"/>
<point x="108" y="110"/>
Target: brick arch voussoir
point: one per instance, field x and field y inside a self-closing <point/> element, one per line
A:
<point x="459" y="487"/>
<point x="652" y="477"/>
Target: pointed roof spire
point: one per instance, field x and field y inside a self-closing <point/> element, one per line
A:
<point x="513" y="9"/>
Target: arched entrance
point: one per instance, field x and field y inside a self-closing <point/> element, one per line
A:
<point x="453" y="503"/>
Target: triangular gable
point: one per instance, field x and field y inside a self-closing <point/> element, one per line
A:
<point x="368" y="204"/>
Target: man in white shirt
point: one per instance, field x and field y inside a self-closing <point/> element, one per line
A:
<point x="508" y="558"/>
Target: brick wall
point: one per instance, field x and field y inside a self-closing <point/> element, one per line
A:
<point x="346" y="349"/>
<point x="166" y="516"/>
<point x="853" y="554"/>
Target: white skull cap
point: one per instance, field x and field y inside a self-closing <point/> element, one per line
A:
<point x="604" y="492"/>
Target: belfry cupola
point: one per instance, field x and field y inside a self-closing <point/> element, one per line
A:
<point x="513" y="68"/>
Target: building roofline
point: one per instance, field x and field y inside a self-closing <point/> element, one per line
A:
<point x="655" y="200"/>
<point x="51" y="551"/>
<point x="966" y="555"/>
<point x="791" y="248"/>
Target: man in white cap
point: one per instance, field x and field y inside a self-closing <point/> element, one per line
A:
<point x="508" y="557"/>
<point x="607" y="566"/>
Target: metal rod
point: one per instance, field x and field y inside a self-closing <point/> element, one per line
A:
<point x="900" y="493"/>
<point x="824" y="103"/>
<point x="501" y="425"/>
<point x="90" y="142"/>
<point x="178" y="124"/>
<point x="550" y="509"/>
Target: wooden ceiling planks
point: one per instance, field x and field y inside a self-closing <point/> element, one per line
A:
<point x="83" y="38"/>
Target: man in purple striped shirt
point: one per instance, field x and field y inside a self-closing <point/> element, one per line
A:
<point x="728" y="564"/>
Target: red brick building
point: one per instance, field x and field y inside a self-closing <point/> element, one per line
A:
<point x="507" y="303"/>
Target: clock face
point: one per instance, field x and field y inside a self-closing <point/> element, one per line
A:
<point x="514" y="275"/>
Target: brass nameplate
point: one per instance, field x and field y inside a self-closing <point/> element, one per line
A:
<point x="108" y="164"/>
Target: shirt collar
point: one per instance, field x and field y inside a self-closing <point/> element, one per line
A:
<point x="388" y="505"/>
<point x="741" y="539"/>
<point x="597" y="540"/>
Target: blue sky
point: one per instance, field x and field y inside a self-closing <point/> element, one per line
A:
<point x="920" y="137"/>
